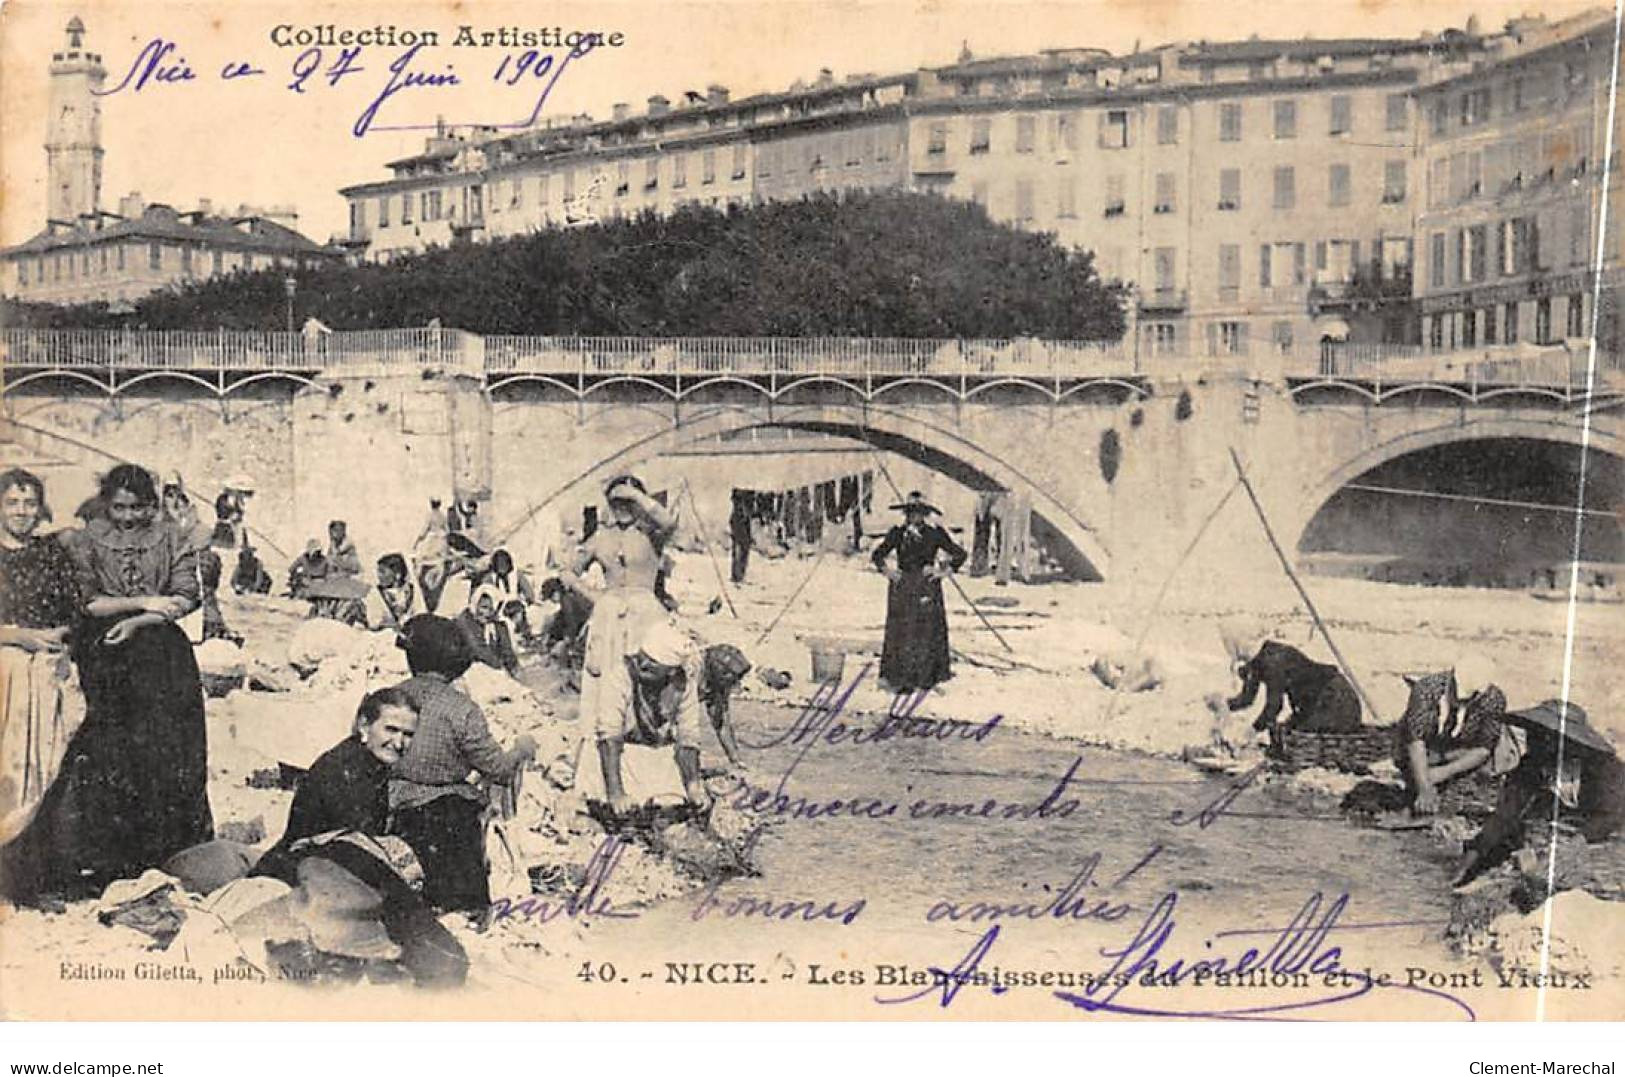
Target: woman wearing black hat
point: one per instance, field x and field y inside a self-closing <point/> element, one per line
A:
<point x="915" y="655"/>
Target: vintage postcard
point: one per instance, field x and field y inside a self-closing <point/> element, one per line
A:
<point x="868" y="511"/>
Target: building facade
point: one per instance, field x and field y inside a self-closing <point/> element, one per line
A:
<point x="86" y="254"/>
<point x="1518" y="173"/>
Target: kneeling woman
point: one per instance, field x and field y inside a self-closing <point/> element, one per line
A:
<point x="132" y="789"/>
<point x="339" y="815"/>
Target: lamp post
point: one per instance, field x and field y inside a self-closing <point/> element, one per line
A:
<point x="289" y="286"/>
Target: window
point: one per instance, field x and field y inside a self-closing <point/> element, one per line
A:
<point x="1543" y="320"/>
<point x="118" y="257"/>
<point x="1286" y="191"/>
<point x="383" y="212"/>
<point x="1229" y="188"/>
<point x="22" y="273"/>
<point x="1229" y="270"/>
<point x="1067" y="198"/>
<point x="679" y="173"/>
<point x="1337" y="185"/>
<point x="1469" y="329"/>
<point x="217" y="263"/>
<point x="854" y="151"/>
<point x="1165" y="193"/>
<point x="1265" y="277"/>
<point x="1439" y="122"/>
<point x="1436" y="276"/>
<point x="936" y="141"/>
<point x="651" y="174"/>
<point x="1458" y="256"/>
<point x="1230" y="122"/>
<point x="155" y="256"/>
<point x="1286" y="119"/>
<point x="1114" y="129"/>
<point x="737" y="168"/>
<point x="358" y="219"/>
<point x="1114" y="196"/>
<point x="981" y="135"/>
<point x="1577" y="321"/>
<point x="431" y="205"/>
<point x="1393" y="182"/>
<point x="103" y="260"/>
<point x="1489" y="325"/>
<point x="708" y="167"/>
<point x="1066" y="131"/>
<point x="623" y="178"/>
<point x="1281" y="333"/>
<point x="1024" y="200"/>
<point x="1167" y="126"/>
<point x="1510" y="324"/>
<point x="1475" y="107"/>
<point x="1026" y="127"/>
<point x="406" y="207"/>
<point x="1162" y="338"/>
<point x="1395" y="112"/>
<point x="764" y="160"/>
<point x="1436" y="332"/>
<point x="1342" y="118"/>
<point x="1164" y="263"/>
<point x="1477" y="245"/>
<point x="883" y="146"/>
<point x="1227" y="338"/>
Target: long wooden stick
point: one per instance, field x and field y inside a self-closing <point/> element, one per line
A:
<point x="791" y="600"/>
<point x="1269" y="533"/>
<point x="699" y="527"/>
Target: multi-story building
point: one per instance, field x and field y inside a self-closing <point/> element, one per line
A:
<point x="1518" y="171"/>
<point x="87" y="254"/>
<point x="1259" y="194"/>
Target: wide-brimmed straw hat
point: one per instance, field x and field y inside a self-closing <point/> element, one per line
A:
<point x="1568" y="722"/>
<point x="916" y="502"/>
<point x="240" y="481"/>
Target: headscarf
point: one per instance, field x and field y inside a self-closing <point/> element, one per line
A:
<point x="486" y="590"/>
<point x="435" y="645"/>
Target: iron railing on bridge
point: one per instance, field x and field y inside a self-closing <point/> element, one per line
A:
<point x="246" y="351"/>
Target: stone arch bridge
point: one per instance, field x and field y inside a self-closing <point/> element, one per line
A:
<point x="1124" y="460"/>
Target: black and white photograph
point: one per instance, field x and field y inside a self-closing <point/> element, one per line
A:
<point x="1072" y="512"/>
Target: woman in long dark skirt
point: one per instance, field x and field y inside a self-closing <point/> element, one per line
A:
<point x="915" y="655"/>
<point x="132" y="788"/>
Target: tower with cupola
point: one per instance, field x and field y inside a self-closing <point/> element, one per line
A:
<point x="73" y="143"/>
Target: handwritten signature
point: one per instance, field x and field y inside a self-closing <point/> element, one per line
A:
<point x="587" y="900"/>
<point x="1299" y="955"/>
<point x="161" y="63"/>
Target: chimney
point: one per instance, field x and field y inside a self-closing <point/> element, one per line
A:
<point x="130" y="207"/>
<point x="826" y="78"/>
<point x="205" y="207"/>
<point x="716" y="95"/>
<point x="658" y="105"/>
<point x="620" y="111"/>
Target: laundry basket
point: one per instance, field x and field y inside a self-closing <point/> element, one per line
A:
<point x="828" y="660"/>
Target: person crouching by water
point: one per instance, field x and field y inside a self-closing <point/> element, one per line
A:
<point x="437" y="810"/>
<point x="915" y="655"/>
<point x="1568" y="773"/>
<point x="1322" y="699"/>
<point x="133" y="787"/>
<point x="652" y="698"/>
<point x="339" y="815"/>
<point x="628" y="550"/>
<point x="40" y="704"/>
<point x="1450" y="728"/>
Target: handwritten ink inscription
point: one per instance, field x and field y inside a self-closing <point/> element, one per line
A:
<point x="162" y="63"/>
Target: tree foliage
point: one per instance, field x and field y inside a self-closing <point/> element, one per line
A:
<point x="876" y="265"/>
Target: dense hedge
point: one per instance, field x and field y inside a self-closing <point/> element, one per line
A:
<point x="881" y="265"/>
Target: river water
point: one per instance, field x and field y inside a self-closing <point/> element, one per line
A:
<point x="1250" y="866"/>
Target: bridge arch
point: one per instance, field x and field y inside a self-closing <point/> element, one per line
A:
<point x="1490" y="439"/>
<point x="1058" y="522"/>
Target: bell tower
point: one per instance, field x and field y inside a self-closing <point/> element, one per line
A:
<point x="73" y="141"/>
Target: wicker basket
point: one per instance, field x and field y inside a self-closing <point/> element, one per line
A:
<point x="1353" y="753"/>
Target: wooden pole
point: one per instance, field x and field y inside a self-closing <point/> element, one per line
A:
<point x="1269" y="533"/>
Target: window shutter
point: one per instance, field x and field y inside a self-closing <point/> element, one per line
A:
<point x="1320" y="256"/>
